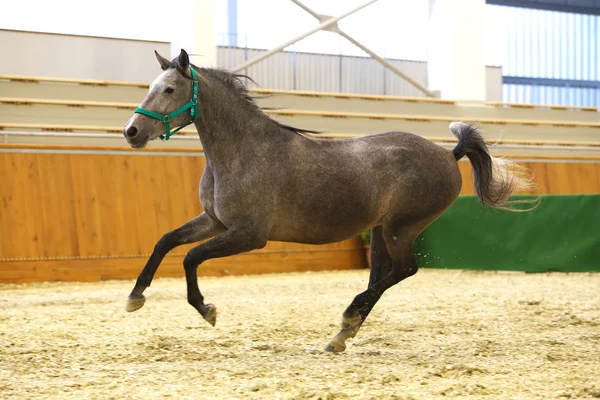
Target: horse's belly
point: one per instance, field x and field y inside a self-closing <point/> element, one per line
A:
<point x="321" y="229"/>
<point x="318" y="238"/>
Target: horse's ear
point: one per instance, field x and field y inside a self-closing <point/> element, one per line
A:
<point x="184" y="60"/>
<point x="164" y="63"/>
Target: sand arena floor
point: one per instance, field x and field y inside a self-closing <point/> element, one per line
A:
<point x="438" y="335"/>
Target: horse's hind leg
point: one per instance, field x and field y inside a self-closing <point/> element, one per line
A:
<point x="400" y="246"/>
<point x="196" y="229"/>
<point x="381" y="261"/>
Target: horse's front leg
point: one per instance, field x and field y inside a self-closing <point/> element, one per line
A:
<point x="198" y="228"/>
<point x="233" y="241"/>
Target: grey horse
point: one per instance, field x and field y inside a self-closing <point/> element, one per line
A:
<point x="268" y="181"/>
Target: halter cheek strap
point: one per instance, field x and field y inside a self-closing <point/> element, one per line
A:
<point x="192" y="105"/>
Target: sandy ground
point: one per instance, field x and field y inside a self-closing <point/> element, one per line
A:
<point x="440" y="334"/>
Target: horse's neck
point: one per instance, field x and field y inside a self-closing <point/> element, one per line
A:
<point x="228" y="146"/>
<point x="232" y="132"/>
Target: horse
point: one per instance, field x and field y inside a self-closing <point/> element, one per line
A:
<point x="268" y="181"/>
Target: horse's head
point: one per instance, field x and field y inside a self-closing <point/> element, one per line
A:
<point x="171" y="102"/>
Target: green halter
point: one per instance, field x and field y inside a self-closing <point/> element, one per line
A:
<point x="192" y="105"/>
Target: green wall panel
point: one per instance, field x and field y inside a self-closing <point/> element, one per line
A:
<point x="561" y="234"/>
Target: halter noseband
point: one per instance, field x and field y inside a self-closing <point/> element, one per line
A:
<point x="192" y="105"/>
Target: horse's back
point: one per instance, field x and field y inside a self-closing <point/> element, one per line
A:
<point x="421" y="174"/>
<point x="400" y="159"/>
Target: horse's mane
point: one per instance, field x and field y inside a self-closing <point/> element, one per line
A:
<point x="235" y="83"/>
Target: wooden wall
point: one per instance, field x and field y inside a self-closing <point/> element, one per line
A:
<point x="91" y="217"/>
<point x="551" y="177"/>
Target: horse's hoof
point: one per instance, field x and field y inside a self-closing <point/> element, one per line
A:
<point x="335" y="347"/>
<point x="134" y="304"/>
<point x="210" y="314"/>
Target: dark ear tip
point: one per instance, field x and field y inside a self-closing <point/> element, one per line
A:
<point x="184" y="59"/>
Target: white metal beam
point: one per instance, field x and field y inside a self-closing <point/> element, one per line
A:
<point x="322" y="26"/>
<point x="387" y="64"/>
<point x="330" y="24"/>
<point x="364" y="48"/>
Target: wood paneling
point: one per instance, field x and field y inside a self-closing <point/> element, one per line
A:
<point x="270" y="260"/>
<point x="551" y="177"/>
<point x="57" y="205"/>
<point x="90" y="217"/>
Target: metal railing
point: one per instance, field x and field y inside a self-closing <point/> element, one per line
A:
<point x="555" y="56"/>
<point x="291" y="70"/>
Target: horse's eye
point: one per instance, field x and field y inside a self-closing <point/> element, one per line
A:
<point x="169" y="90"/>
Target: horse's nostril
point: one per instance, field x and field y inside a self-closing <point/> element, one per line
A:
<point x="131" y="131"/>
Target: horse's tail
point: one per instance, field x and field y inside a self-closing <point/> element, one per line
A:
<point x="496" y="179"/>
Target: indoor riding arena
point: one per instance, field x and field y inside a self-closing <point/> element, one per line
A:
<point x="506" y="300"/>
